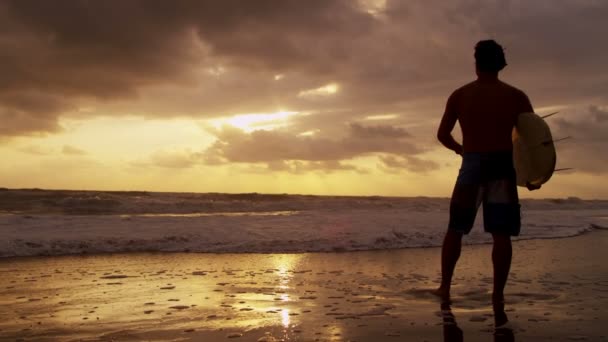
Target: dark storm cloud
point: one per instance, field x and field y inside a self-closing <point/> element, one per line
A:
<point x="556" y="47"/>
<point x="61" y="53"/>
<point x="74" y="49"/>
<point x="203" y="58"/>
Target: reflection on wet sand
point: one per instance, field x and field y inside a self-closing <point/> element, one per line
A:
<point x="453" y="333"/>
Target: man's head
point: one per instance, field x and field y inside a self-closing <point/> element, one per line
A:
<point x="489" y="57"/>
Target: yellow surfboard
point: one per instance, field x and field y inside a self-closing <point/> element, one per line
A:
<point x="533" y="150"/>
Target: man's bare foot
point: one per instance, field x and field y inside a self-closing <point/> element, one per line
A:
<point x="442" y="293"/>
<point x="498" y="305"/>
<point x="500" y="318"/>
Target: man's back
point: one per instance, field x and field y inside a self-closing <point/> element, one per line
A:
<point x="487" y="112"/>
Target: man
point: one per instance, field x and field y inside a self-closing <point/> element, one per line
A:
<point x="487" y="111"/>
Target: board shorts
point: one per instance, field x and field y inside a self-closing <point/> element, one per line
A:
<point x="487" y="178"/>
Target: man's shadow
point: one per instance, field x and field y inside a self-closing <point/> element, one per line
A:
<point x="453" y="333"/>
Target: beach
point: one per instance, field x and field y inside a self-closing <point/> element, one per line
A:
<point x="558" y="291"/>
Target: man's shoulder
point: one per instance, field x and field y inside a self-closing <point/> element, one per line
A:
<point x="512" y="89"/>
<point x="466" y="86"/>
<point x="463" y="89"/>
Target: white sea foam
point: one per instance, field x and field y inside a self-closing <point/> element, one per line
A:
<point x="56" y="223"/>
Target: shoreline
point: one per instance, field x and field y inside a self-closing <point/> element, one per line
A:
<point x="557" y="291"/>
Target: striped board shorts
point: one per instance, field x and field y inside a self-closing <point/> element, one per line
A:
<point x="487" y="178"/>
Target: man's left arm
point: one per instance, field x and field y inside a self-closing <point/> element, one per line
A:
<point x="448" y="121"/>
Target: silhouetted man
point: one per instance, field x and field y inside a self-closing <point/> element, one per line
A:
<point x="487" y="111"/>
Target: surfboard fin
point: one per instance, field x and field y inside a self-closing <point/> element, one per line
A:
<point x="556" y="140"/>
<point x="548" y="115"/>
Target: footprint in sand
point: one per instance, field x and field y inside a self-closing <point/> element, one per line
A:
<point x="114" y="276"/>
<point x="478" y="319"/>
<point x="267" y="338"/>
<point x="179" y="307"/>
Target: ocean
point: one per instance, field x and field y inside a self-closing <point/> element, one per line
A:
<point x="43" y="222"/>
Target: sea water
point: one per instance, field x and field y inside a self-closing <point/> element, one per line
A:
<point x="40" y="222"/>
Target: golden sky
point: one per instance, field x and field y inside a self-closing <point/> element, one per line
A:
<point x="334" y="97"/>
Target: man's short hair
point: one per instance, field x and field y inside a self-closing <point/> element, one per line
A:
<point x="489" y="56"/>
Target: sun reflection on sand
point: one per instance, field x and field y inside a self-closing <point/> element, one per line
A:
<point x="285" y="318"/>
<point x="284" y="276"/>
<point x="284" y="265"/>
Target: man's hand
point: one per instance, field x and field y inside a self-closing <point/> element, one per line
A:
<point x="532" y="187"/>
<point x="459" y="151"/>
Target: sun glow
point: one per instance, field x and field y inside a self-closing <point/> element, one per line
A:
<point x="309" y="133"/>
<point x="374" y="7"/>
<point x="255" y="121"/>
<point x="381" y="117"/>
<point x="326" y="90"/>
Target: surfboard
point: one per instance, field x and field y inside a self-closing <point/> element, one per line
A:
<point x="533" y="150"/>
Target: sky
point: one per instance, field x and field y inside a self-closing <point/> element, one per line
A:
<point x="329" y="97"/>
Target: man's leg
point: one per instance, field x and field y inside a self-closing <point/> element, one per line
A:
<point x="450" y="252"/>
<point x="501" y="258"/>
<point x="502" y="218"/>
<point x="464" y="203"/>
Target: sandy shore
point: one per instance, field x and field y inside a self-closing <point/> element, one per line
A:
<point x="558" y="291"/>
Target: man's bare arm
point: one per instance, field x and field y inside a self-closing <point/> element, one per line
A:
<point x="448" y="121"/>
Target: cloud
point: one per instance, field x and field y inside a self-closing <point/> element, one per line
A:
<point x="394" y="164"/>
<point x="36" y="150"/>
<point x="40" y="150"/>
<point x="76" y="52"/>
<point x="381" y="132"/>
<point x="262" y="146"/>
<point x="73" y="151"/>
<point x="301" y="167"/>
<point x="599" y="116"/>
<point x="172" y="159"/>
<point x="321" y="92"/>
<point x="339" y="62"/>
<point x="15" y="122"/>
<point x="586" y="152"/>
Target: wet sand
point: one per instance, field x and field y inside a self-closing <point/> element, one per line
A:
<point x="558" y="291"/>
